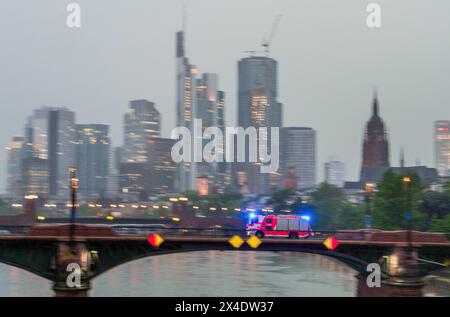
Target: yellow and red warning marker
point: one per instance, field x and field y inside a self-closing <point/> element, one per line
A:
<point x="155" y="240"/>
<point x="254" y="242"/>
<point x="331" y="243"/>
<point x="236" y="241"/>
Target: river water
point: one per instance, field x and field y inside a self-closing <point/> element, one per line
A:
<point x="207" y="273"/>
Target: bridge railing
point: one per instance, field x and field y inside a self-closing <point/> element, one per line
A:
<point x="177" y="231"/>
<point x="139" y="230"/>
<point x="14" y="230"/>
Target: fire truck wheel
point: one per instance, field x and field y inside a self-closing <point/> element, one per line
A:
<point x="293" y="235"/>
<point x="259" y="234"/>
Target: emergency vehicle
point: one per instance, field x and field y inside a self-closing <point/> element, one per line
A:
<point x="285" y="226"/>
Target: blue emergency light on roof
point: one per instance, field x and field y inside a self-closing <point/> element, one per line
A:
<point x="306" y="218"/>
<point x="252" y="215"/>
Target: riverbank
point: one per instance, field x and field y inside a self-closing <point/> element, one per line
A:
<point x="438" y="284"/>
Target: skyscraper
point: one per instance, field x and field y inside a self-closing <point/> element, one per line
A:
<point x="61" y="150"/>
<point x="92" y="159"/>
<point x="298" y="153"/>
<point x="162" y="167"/>
<point x="35" y="174"/>
<point x="258" y="92"/>
<point x="210" y="103"/>
<point x="35" y="157"/>
<point x="142" y="122"/>
<point x="257" y="107"/>
<point x="207" y="96"/>
<point x="206" y="100"/>
<point x="197" y="98"/>
<point x="186" y="108"/>
<point x="134" y="181"/>
<point x="375" y="146"/>
<point x="442" y="147"/>
<point x="335" y="173"/>
<point x="14" y="157"/>
<point x="115" y="158"/>
<point x="222" y="169"/>
<point x="50" y="136"/>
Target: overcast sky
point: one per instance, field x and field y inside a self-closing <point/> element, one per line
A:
<point x="329" y="62"/>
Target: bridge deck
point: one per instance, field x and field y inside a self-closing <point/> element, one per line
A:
<point x="193" y="239"/>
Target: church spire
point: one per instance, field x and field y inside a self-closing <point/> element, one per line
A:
<point x="375" y="105"/>
<point x="376" y="144"/>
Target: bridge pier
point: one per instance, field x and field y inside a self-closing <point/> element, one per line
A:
<point x="387" y="289"/>
<point x="73" y="266"/>
<point x="59" y="293"/>
<point x="402" y="267"/>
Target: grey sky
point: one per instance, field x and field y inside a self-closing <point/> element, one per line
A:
<point x="329" y="62"/>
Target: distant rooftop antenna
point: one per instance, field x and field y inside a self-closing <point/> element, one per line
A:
<point x="402" y="157"/>
<point x="375" y="92"/>
<point x="183" y="18"/>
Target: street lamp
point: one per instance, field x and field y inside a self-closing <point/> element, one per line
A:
<point x="368" y="190"/>
<point x="407" y="184"/>
<point x="73" y="190"/>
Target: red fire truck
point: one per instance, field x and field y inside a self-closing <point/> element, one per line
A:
<point x="286" y="226"/>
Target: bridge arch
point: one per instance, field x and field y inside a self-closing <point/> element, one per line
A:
<point x="129" y="253"/>
<point x="25" y="267"/>
<point x="39" y="257"/>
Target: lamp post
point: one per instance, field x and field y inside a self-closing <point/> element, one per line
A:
<point x="73" y="191"/>
<point x="408" y="206"/>
<point x="368" y="190"/>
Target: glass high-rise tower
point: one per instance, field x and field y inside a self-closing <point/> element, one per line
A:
<point x="298" y="155"/>
<point x="142" y="123"/>
<point x="258" y="106"/>
<point x="14" y="158"/>
<point x="186" y="108"/>
<point x="50" y="136"/>
<point x="92" y="159"/>
<point x="442" y="147"/>
<point x="197" y="97"/>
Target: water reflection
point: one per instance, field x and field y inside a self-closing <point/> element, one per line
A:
<point x="216" y="273"/>
<point x="211" y="273"/>
<point x="15" y="282"/>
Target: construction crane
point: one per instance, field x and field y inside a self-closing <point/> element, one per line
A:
<point x="253" y="53"/>
<point x="266" y="42"/>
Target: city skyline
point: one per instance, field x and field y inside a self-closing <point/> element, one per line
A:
<point x="395" y="93"/>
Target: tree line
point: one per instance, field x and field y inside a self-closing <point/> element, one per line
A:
<point x="331" y="210"/>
